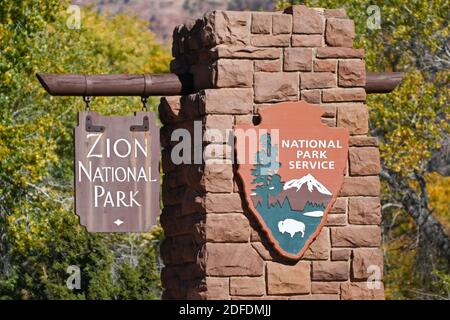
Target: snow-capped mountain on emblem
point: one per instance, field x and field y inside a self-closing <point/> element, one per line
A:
<point x="299" y="193"/>
<point x="311" y="183"/>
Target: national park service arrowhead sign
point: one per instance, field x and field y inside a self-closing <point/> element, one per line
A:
<point x="117" y="172"/>
<point x="296" y="173"/>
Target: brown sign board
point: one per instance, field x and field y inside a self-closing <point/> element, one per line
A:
<point x="117" y="172"/>
<point x="297" y="173"/>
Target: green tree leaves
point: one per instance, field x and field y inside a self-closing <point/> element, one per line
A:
<point x="40" y="235"/>
<point x="412" y="124"/>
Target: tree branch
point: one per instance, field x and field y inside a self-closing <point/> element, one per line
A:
<point x="417" y="207"/>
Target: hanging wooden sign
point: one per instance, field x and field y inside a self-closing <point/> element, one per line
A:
<point x="117" y="172"/>
<point x="296" y="173"/>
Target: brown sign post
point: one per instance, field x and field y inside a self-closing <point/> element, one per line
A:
<point x="117" y="172"/>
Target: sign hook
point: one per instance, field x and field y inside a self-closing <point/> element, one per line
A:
<point x="87" y="100"/>
<point x="144" y="103"/>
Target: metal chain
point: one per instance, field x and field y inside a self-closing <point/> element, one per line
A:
<point x="87" y="100"/>
<point x="144" y="103"/>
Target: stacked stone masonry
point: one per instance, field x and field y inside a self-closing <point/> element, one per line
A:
<point x="242" y="62"/>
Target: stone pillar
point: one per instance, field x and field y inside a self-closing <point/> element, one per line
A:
<point x="241" y="62"/>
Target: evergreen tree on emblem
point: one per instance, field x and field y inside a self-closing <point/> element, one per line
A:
<point x="267" y="181"/>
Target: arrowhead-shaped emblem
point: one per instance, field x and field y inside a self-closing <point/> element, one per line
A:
<point x="292" y="178"/>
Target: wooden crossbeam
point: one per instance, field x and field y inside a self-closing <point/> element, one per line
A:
<point x="167" y="84"/>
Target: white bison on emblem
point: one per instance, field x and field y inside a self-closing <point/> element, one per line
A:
<point x="291" y="226"/>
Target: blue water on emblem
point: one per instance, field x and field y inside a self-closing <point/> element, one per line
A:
<point x="291" y="244"/>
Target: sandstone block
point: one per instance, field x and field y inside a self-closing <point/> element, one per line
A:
<point x="364" y="210"/>
<point x="169" y="110"/>
<point x="340" y="32"/>
<point x="364" y="161"/>
<point x="311" y="80"/>
<point x="259" y="298"/>
<point x="165" y="134"/>
<point x="307" y="40"/>
<point x="227" y="101"/>
<point x="247" y="286"/>
<point x="336" y="220"/>
<point x="261" y="22"/>
<point x="182" y="225"/>
<point x="329" y="110"/>
<point x="331" y="122"/>
<point x="172" y="197"/>
<point x="268" y="65"/>
<point x="217" y="288"/>
<point x="325" y="65"/>
<point x="261" y="106"/>
<point x="223" y="202"/>
<point x="170" y="281"/>
<point x="228" y="227"/>
<point x="166" y="251"/>
<point x="320" y="247"/>
<point x="217" y="125"/>
<point x="244" y="52"/>
<point x="262" y="250"/>
<point x="279" y="40"/>
<point x="288" y="279"/>
<point x="330" y="270"/>
<point x="335" y="13"/>
<point x="340" y="254"/>
<point x="219" y="154"/>
<point x="226" y="259"/>
<point x="297" y="59"/>
<point x="244" y="119"/>
<point x="167" y="164"/>
<point x="203" y="76"/>
<point x="281" y="23"/>
<point x="306" y="20"/>
<point x="217" y="177"/>
<point x="311" y="96"/>
<point x="339" y="206"/>
<point x="315" y="296"/>
<point x="354" y="117"/>
<point x="344" y="94"/>
<point x="352" y="73"/>
<point x="356" y="236"/>
<point x="361" y="291"/>
<point x="231" y="27"/>
<point x="232" y="73"/>
<point x="276" y="86"/>
<point x="325" y="287"/>
<point x="339" y="52"/>
<point x="360" y="186"/>
<point x="363" y="141"/>
<point x="367" y="262"/>
<point x="255" y="234"/>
